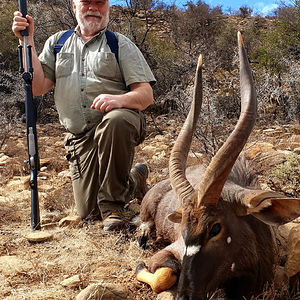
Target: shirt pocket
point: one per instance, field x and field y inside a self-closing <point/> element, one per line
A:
<point x="104" y="65"/>
<point x="64" y="65"/>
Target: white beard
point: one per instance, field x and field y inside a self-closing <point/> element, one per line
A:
<point x="90" y="25"/>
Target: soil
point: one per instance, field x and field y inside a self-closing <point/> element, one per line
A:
<point x="36" y="270"/>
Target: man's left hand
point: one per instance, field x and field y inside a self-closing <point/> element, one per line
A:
<point x="106" y="102"/>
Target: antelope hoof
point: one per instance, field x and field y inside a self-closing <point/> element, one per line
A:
<point x="163" y="278"/>
<point x="143" y="236"/>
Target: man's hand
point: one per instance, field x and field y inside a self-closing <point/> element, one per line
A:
<point x="106" y="102"/>
<point x="139" y="97"/>
<point x="20" y="23"/>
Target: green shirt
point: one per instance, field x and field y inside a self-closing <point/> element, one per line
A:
<point x="84" y="70"/>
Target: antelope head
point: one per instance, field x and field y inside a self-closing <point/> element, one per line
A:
<point x="217" y="224"/>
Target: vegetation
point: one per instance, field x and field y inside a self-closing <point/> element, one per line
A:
<point x="171" y="40"/>
<point x="285" y="178"/>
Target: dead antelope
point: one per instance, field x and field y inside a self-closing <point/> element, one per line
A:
<point x="220" y="236"/>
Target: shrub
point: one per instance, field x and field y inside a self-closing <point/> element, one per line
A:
<point x="285" y="178"/>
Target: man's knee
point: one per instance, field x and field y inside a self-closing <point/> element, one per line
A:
<point x="122" y="116"/>
<point x="122" y="122"/>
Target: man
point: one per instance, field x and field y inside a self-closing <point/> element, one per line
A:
<point x="99" y="101"/>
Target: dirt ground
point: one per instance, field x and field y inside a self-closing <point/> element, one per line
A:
<point x="37" y="270"/>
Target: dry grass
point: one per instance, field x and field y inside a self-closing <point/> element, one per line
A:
<point x="31" y="270"/>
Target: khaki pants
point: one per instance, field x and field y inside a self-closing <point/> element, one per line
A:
<point x="101" y="159"/>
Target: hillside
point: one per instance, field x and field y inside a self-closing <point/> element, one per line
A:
<point x="38" y="270"/>
<point x="77" y="254"/>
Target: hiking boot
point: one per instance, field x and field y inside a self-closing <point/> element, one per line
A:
<point x="140" y="172"/>
<point x="112" y="220"/>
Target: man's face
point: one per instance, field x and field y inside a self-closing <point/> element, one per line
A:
<point x="91" y="15"/>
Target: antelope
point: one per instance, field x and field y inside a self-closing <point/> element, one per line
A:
<point x="220" y="236"/>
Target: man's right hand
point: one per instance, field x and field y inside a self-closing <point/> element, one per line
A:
<point x="20" y="23"/>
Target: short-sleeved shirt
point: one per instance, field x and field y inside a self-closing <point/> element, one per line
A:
<point x="83" y="70"/>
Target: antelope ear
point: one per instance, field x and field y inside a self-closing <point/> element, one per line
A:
<point x="176" y="215"/>
<point x="272" y="208"/>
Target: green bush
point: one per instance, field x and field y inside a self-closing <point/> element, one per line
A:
<point x="285" y="178"/>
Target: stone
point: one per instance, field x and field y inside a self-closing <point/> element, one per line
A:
<point x="104" y="291"/>
<point x="281" y="277"/>
<point x="272" y="158"/>
<point x="4" y="159"/>
<point x="64" y="174"/>
<point x="167" y="295"/>
<point x="297" y="150"/>
<point x="45" y="187"/>
<point x="44" y="162"/>
<point x="70" y="221"/>
<point x="39" y="236"/>
<point x="277" y="132"/>
<point x="283" y="232"/>
<point x="43" y="174"/>
<point x="295" y="138"/>
<point x="150" y="149"/>
<point x="253" y="149"/>
<point x="73" y="281"/>
<point x="292" y="265"/>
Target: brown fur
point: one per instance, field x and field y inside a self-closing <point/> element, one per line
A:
<point x="251" y="249"/>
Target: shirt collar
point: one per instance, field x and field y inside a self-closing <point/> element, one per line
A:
<point x="97" y="36"/>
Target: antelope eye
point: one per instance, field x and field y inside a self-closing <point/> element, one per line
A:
<point x="215" y="230"/>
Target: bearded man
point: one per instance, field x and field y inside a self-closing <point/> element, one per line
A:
<point x="99" y="100"/>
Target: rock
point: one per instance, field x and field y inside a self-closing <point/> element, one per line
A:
<point x="295" y="138"/>
<point x="272" y="158"/>
<point x="283" y="232"/>
<point x="276" y="132"/>
<point x="104" y="291"/>
<point x="159" y="156"/>
<point x="43" y="174"/>
<point x="64" y="174"/>
<point x="167" y="295"/>
<point x="70" y="221"/>
<point x="44" y="162"/>
<point x="39" y="236"/>
<point x="150" y="149"/>
<point x="297" y="150"/>
<point x="281" y="278"/>
<point x="73" y="281"/>
<point x="162" y="138"/>
<point x="292" y="266"/>
<point x="45" y="187"/>
<point x="253" y="149"/>
<point x="4" y="159"/>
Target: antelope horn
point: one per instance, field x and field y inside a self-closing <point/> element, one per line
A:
<point x="221" y="164"/>
<point x="177" y="163"/>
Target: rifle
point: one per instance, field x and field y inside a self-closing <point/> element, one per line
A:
<point x="33" y="159"/>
